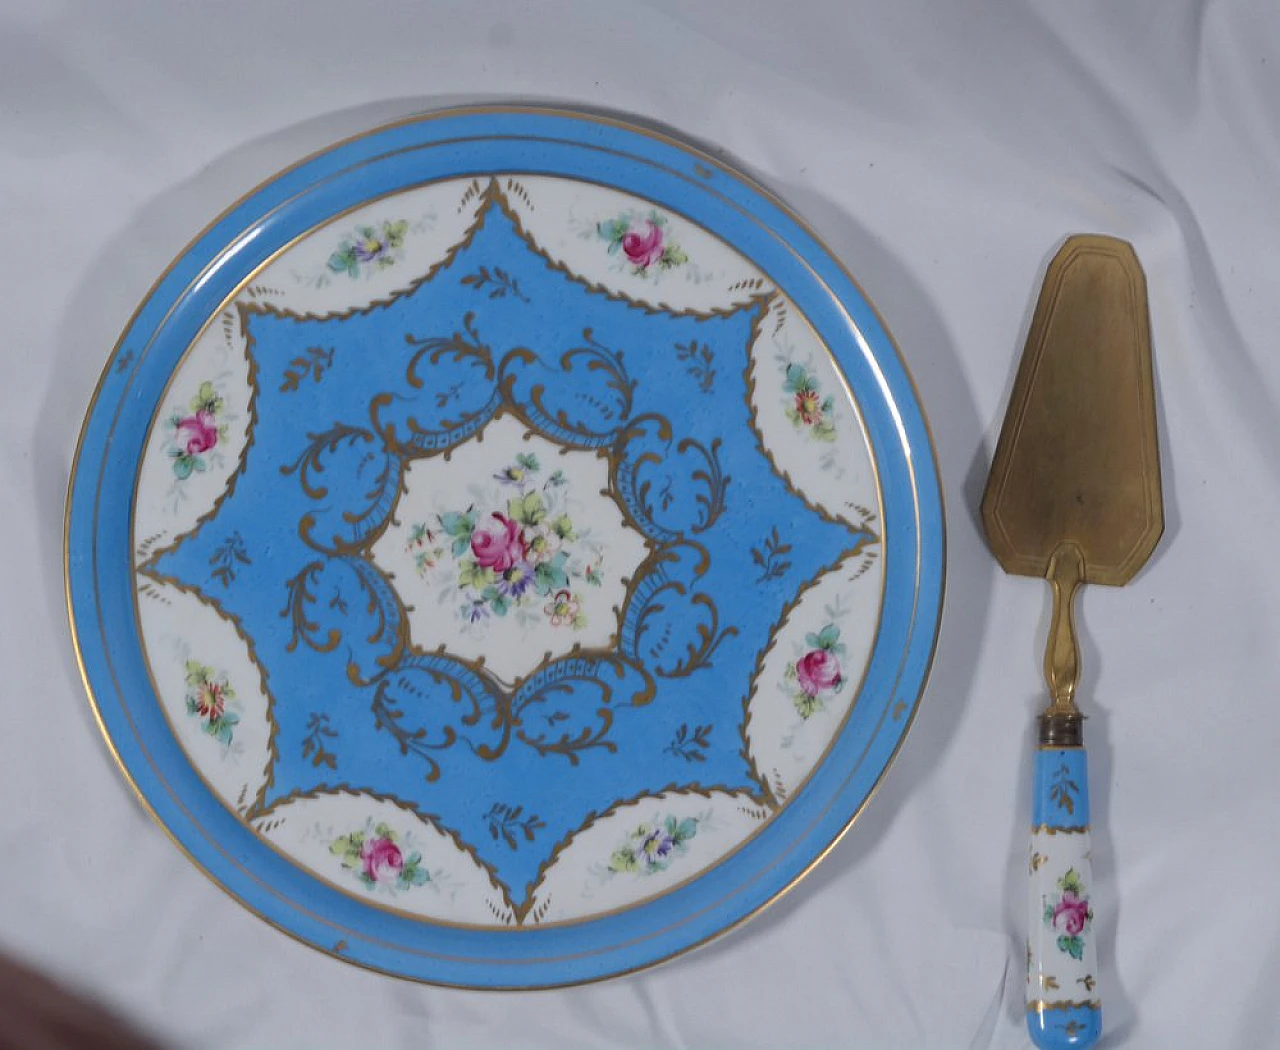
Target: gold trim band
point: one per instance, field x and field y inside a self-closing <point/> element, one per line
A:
<point x="1039" y="1006"/>
<point x="1046" y="829"/>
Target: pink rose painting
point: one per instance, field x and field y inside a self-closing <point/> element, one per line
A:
<point x="500" y="546"/>
<point x="196" y="431"/>
<point x="1071" y="915"/>
<point x="817" y="674"/>
<point x="375" y="857"/>
<point x="643" y="246"/>
<point x="381" y="858"/>
<point x="818" y="670"/>
<point x="643" y="242"/>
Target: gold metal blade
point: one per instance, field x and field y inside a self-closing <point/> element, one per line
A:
<point x="1074" y="491"/>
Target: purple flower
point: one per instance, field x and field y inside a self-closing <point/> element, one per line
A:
<point x="516" y="580"/>
<point x="657" y="845"/>
<point x="475" y="612"/>
<point x="367" y="248"/>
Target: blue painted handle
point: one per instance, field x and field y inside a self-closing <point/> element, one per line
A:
<point x="1063" y="1008"/>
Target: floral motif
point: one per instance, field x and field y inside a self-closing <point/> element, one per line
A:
<point x="817" y="674"/>
<point x="376" y="858"/>
<point x="421" y="546"/>
<point x="313" y="362"/>
<point x="208" y="694"/>
<point x="368" y="249"/>
<point x="1070" y="915"/>
<point x="690" y="744"/>
<point x="771" y="557"/>
<point x="653" y="845"/>
<point x="1063" y="789"/>
<point x="227" y="557"/>
<point x="529" y="553"/>
<point x="642" y="241"/>
<point x="809" y="411"/>
<point x="498" y="283"/>
<point x="502" y="546"/>
<point x="313" y="744"/>
<point x="699" y="361"/>
<point x="565" y="610"/>
<point x="506" y="822"/>
<point x="194" y="432"/>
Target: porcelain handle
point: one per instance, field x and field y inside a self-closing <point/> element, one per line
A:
<point x="1063" y="1008"/>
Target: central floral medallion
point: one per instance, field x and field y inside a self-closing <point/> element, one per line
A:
<point x="510" y="551"/>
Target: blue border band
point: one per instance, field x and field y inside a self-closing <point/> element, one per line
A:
<point x="1061" y="797"/>
<point x="99" y="558"/>
<point x="1069" y="1028"/>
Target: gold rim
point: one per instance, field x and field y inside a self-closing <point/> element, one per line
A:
<point x="708" y="164"/>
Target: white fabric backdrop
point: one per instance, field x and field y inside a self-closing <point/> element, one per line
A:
<point x="943" y="150"/>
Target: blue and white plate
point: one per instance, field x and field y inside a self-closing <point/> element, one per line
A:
<point x="505" y="550"/>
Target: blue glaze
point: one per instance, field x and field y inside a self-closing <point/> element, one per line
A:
<point x="1073" y="1028"/>
<point x="100" y="564"/>
<point x="657" y="632"/>
<point x="1062" y="788"/>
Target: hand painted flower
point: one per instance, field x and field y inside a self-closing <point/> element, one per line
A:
<point x="544" y="546"/>
<point x="818" y="670"/>
<point x="516" y="580"/>
<point x="197" y="433"/>
<point x="657" y="845"/>
<point x="562" y="608"/>
<point x="210" y="700"/>
<point x="1071" y="913"/>
<point x="368" y="247"/>
<point x="499" y="546"/>
<point x="380" y="856"/>
<point x="809" y="406"/>
<point x="512" y="475"/>
<point x="643" y="246"/>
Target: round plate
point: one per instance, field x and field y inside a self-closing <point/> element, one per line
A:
<point x="505" y="550"/>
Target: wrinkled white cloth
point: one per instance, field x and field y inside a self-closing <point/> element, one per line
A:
<point x="943" y="151"/>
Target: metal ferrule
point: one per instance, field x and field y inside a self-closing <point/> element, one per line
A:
<point x="1061" y="729"/>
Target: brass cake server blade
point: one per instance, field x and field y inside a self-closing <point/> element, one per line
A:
<point x="1074" y="496"/>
